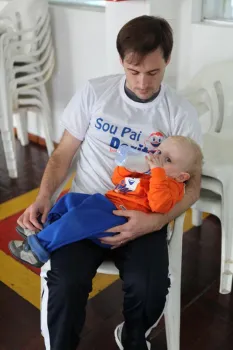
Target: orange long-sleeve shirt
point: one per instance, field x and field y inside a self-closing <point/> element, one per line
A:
<point x="145" y="192"/>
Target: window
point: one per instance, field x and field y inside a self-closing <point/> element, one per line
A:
<point x="218" y="9"/>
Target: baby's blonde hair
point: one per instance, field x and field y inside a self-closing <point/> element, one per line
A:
<point x="195" y="161"/>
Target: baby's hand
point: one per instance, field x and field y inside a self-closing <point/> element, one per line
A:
<point x="154" y="161"/>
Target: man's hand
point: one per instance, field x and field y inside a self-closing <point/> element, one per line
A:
<point x="154" y="160"/>
<point x="138" y="224"/>
<point x="29" y="219"/>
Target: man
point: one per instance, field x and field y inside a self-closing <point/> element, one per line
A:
<point x="135" y="109"/>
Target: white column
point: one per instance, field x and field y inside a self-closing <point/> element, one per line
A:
<point x="167" y="9"/>
<point x="184" y="43"/>
<point x="179" y="14"/>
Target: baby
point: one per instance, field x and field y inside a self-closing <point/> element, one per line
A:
<point x="78" y="216"/>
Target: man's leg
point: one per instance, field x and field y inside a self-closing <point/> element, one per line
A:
<point x="143" y="265"/>
<point x="66" y="285"/>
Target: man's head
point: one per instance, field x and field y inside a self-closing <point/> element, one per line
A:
<point x="144" y="45"/>
<point x="181" y="157"/>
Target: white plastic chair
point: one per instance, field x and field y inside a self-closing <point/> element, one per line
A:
<point x="208" y="100"/>
<point x="217" y="199"/>
<point x="207" y="78"/>
<point x="172" y="309"/>
<point x="22" y="15"/>
<point x="217" y="172"/>
<point x="27" y="63"/>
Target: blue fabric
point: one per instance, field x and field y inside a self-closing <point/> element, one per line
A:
<point x="38" y="249"/>
<point x="64" y="204"/>
<point x="75" y="217"/>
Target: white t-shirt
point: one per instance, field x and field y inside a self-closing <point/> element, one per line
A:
<point x="104" y="117"/>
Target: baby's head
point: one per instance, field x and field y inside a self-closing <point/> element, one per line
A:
<point x="181" y="156"/>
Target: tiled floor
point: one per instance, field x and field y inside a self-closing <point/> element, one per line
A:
<point x="31" y="163"/>
<point x="207" y="316"/>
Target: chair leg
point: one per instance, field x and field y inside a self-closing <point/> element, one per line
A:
<point x="172" y="311"/>
<point x="46" y="118"/>
<point x="196" y="217"/>
<point x="10" y="154"/>
<point x="21" y="126"/>
<point x="172" y="317"/>
<point x="226" y="259"/>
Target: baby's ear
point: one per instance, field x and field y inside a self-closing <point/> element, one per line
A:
<point x="183" y="177"/>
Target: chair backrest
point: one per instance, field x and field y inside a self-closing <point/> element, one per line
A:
<point x="209" y="104"/>
<point x="22" y="17"/>
<point x="31" y="49"/>
<point x="23" y="14"/>
<point x="221" y="108"/>
<point x="216" y="78"/>
<point x="203" y="104"/>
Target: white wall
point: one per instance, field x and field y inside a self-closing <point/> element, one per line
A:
<point x="210" y="43"/>
<point x="195" y="44"/>
<point x="79" y="37"/>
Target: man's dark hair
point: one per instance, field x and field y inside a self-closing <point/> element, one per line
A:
<point x="143" y="35"/>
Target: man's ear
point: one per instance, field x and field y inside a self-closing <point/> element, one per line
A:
<point x="183" y="177"/>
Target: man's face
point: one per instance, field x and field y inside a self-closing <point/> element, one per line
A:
<point x="144" y="79"/>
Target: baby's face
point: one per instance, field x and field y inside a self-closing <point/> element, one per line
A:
<point x="174" y="158"/>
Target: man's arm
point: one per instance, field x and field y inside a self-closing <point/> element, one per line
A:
<point x="58" y="165"/>
<point x="140" y="223"/>
<point x="55" y="172"/>
<point x="192" y="193"/>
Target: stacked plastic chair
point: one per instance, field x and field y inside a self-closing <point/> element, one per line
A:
<point x="26" y="64"/>
<point x="216" y="198"/>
